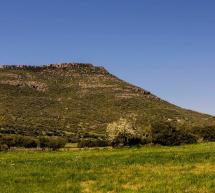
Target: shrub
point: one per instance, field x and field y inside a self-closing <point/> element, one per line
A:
<point x="168" y="135"/>
<point x="146" y="135"/>
<point x="8" y="140"/>
<point x="18" y="141"/>
<point x="25" y="141"/>
<point x="205" y="133"/>
<point x="123" y="132"/>
<point x="92" y="142"/>
<point x="53" y="143"/>
<point x="3" y="147"/>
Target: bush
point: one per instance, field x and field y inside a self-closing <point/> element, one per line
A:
<point x="8" y="140"/>
<point x="53" y="143"/>
<point x="92" y="143"/>
<point x="30" y="142"/>
<point x="3" y="147"/>
<point x="168" y="135"/>
<point x="25" y="141"/>
<point x="205" y="133"/>
<point x="18" y="141"/>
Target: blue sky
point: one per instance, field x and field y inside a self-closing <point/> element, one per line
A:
<point x="165" y="46"/>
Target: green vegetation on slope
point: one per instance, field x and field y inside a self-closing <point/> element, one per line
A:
<point x="180" y="169"/>
<point x="79" y="100"/>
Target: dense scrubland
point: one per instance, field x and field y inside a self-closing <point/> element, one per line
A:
<point x="118" y="134"/>
<point x="151" y="169"/>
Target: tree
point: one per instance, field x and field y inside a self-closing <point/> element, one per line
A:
<point x="168" y="135"/>
<point x="206" y="133"/>
<point x="123" y="132"/>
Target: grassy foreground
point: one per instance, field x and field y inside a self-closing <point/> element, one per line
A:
<point x="184" y="169"/>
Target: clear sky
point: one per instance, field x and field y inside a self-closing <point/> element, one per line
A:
<point x="165" y="46"/>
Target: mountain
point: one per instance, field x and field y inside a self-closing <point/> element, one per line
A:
<point x="67" y="99"/>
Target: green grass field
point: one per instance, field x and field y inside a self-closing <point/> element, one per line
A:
<point x="186" y="169"/>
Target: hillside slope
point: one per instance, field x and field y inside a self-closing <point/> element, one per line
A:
<point x="78" y="98"/>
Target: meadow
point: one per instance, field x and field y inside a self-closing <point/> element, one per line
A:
<point x="149" y="169"/>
